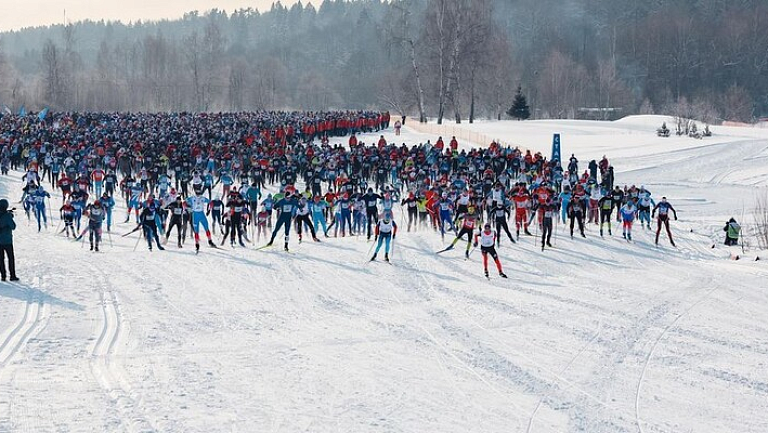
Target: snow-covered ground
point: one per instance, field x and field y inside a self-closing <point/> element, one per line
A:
<point x="596" y="335"/>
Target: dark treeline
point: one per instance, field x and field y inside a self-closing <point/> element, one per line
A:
<point x="457" y="59"/>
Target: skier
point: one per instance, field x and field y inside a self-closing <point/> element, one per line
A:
<point x="95" y="213"/>
<point x="605" y="204"/>
<point x="628" y="214"/>
<point x="176" y="209"/>
<point x="318" y="207"/>
<point x="663" y="207"/>
<point x="236" y="208"/>
<point x="576" y="214"/>
<point x="107" y="203"/>
<point x="39" y="197"/>
<point x="148" y="223"/>
<point x="548" y="211"/>
<point x="487" y="240"/>
<point x="386" y="232"/>
<point x="522" y="200"/>
<point x="215" y="209"/>
<point x="371" y="200"/>
<point x="198" y="204"/>
<point x="644" y="203"/>
<point x="286" y="207"/>
<point x="67" y="214"/>
<point x="500" y="214"/>
<point x="468" y="221"/>
<point x="412" y="206"/>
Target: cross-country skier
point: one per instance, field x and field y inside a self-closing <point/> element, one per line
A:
<point x="197" y="205"/>
<point x="468" y="222"/>
<point x="108" y="203"/>
<point x="39" y="197"/>
<point x="576" y="214"/>
<point x="628" y="214"/>
<point x="548" y="211"/>
<point x="386" y="232"/>
<point x="318" y="207"/>
<point x="487" y="241"/>
<point x="663" y="207"/>
<point x="286" y="208"/>
<point x="644" y="204"/>
<point x="371" y="200"/>
<point x="95" y="213"/>
<point x="67" y="214"/>
<point x="148" y="223"/>
<point x="500" y="214"/>
<point x="176" y="209"/>
<point x="605" y="204"/>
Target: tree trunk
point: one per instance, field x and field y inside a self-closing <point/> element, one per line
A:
<point x="419" y="89"/>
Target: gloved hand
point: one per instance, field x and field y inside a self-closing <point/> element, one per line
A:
<point x="393" y="237"/>
<point x="475" y="245"/>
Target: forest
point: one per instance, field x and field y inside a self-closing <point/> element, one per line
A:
<point x="438" y="59"/>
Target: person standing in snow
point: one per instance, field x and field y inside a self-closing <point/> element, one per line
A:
<point x="732" y="230"/>
<point x="663" y="207"/>
<point x="7" y="226"/>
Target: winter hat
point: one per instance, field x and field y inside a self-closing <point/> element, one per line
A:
<point x="3" y="205"/>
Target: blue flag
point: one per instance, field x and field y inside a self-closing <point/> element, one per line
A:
<point x="41" y="115"/>
<point x="22" y="111"/>
<point x="556" y="149"/>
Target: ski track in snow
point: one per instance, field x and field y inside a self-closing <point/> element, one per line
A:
<point x="594" y="335"/>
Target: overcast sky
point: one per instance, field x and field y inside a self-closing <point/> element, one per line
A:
<point x="16" y="14"/>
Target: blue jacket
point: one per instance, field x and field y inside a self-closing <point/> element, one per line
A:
<point x="7" y="226"/>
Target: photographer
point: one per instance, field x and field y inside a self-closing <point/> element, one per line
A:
<point x="7" y="226"/>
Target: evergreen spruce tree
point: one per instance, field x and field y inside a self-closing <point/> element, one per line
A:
<point x="519" y="109"/>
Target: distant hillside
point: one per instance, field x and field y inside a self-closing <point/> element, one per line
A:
<point x="444" y="58"/>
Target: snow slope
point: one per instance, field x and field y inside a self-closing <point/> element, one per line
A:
<point x="594" y="336"/>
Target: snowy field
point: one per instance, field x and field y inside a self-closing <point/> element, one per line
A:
<point x="596" y="335"/>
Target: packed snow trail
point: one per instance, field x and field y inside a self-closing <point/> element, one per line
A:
<point x="593" y="335"/>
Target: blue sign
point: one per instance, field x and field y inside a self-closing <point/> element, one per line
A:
<point x="556" y="149"/>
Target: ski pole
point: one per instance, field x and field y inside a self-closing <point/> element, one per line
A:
<point x="137" y="241"/>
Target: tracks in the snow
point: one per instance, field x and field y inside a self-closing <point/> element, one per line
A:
<point x="31" y="321"/>
<point x="653" y="350"/>
<point x="35" y="315"/>
<point x="110" y="343"/>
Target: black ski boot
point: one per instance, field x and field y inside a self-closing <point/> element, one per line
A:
<point x="502" y="275"/>
<point x="91" y="246"/>
<point x="373" y="258"/>
<point x="386" y="257"/>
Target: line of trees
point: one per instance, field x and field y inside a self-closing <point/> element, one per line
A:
<point x="458" y="59"/>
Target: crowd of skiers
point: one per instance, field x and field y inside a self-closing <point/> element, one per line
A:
<point x="210" y="174"/>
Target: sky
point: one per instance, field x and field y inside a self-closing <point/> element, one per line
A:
<point x="17" y="14"/>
